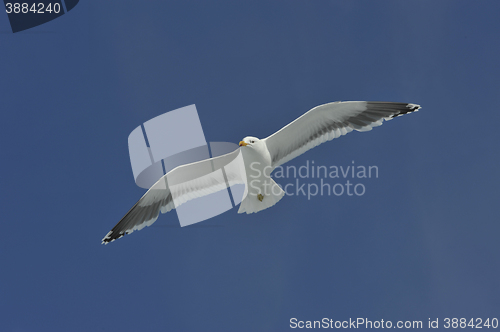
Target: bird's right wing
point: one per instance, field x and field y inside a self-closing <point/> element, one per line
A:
<point x="329" y="121"/>
<point x="178" y="186"/>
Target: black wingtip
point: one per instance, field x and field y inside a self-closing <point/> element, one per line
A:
<point x="111" y="236"/>
<point x="409" y="108"/>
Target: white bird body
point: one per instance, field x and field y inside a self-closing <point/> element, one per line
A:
<point x="260" y="157"/>
<point x="258" y="169"/>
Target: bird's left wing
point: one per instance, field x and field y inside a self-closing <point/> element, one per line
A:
<point x="178" y="186"/>
<point x="326" y="122"/>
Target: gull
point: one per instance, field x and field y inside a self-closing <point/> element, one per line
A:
<point x="259" y="158"/>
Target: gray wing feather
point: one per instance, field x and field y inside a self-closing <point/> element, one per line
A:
<point x="180" y="185"/>
<point x="326" y="122"/>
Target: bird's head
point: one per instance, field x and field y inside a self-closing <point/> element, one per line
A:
<point x="249" y="141"/>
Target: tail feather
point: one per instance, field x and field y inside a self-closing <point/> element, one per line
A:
<point x="251" y="204"/>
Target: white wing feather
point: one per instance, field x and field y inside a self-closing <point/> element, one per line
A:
<point x="326" y="122"/>
<point x="178" y="186"/>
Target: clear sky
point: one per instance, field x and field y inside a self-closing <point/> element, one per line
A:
<point x="422" y="242"/>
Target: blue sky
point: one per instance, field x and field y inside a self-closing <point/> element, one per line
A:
<point x="421" y="243"/>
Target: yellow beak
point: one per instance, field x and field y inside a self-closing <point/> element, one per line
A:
<point x="243" y="143"/>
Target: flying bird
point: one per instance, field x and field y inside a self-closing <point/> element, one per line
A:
<point x="259" y="158"/>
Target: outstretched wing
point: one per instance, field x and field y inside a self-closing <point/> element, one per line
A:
<point x="178" y="186"/>
<point x="326" y="122"/>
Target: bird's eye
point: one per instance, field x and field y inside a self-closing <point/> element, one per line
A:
<point x="252" y="141"/>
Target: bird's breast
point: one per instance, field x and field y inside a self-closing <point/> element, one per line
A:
<point x="257" y="163"/>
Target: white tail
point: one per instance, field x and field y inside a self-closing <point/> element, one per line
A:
<point x="251" y="203"/>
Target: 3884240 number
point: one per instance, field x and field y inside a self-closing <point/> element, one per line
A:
<point x="472" y="323"/>
<point x="24" y="8"/>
